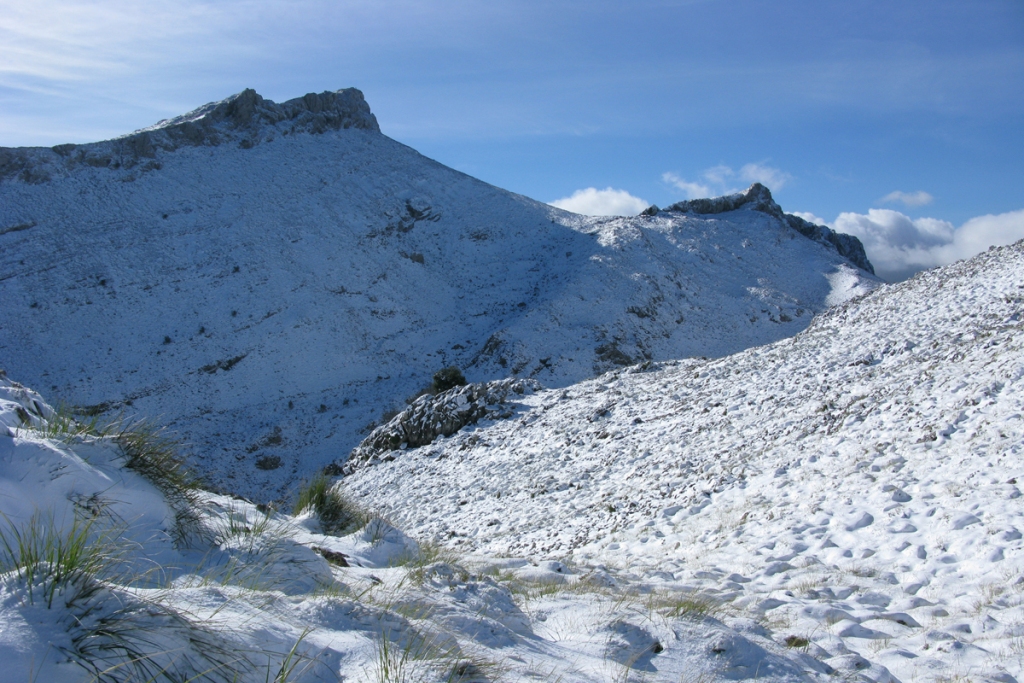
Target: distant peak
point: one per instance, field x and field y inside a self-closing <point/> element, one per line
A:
<point x="759" y="196"/>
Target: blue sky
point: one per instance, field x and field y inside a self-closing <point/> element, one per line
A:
<point x="912" y="109"/>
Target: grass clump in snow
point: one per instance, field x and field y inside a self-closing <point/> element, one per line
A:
<point x="250" y="534"/>
<point x="146" y="449"/>
<point x="150" y="452"/>
<point x="147" y="641"/>
<point x="62" y="426"/>
<point x="154" y="455"/>
<point x="429" y="555"/>
<point x="414" y="658"/>
<point x="50" y="559"/>
<point x="682" y="605"/>
<point x="336" y="513"/>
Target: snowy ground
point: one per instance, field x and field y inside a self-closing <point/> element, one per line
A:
<point x="839" y="506"/>
<point x="254" y="596"/>
<point x="270" y="293"/>
<point x="854" y="489"/>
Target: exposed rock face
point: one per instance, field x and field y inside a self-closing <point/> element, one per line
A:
<point x="847" y="245"/>
<point x="248" y="111"/>
<point x="442" y="415"/>
<point x="246" y="118"/>
<point x="759" y="198"/>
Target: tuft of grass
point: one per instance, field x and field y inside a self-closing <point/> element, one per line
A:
<point x="797" y="642"/>
<point x="61" y="424"/>
<point x="143" y="641"/>
<point x="289" y="670"/>
<point x="430" y="554"/>
<point x="682" y="605"/>
<point x="146" y="449"/>
<point x="154" y="455"/>
<point x="150" y="452"/>
<point x="51" y="560"/>
<point x="115" y="636"/>
<point x="252" y="533"/>
<point x="418" y="659"/>
<point x="335" y="512"/>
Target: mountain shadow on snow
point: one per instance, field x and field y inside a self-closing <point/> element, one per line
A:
<point x="270" y="279"/>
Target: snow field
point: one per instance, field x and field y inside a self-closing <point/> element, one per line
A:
<point x="255" y="595"/>
<point x="855" y="487"/>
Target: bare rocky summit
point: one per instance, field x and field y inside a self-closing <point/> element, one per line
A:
<point x="246" y="119"/>
<point x="759" y="198"/>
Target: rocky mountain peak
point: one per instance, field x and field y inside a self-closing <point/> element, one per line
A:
<point x="759" y="198"/>
<point x="757" y="195"/>
<point x="246" y="119"/>
<point x="248" y="110"/>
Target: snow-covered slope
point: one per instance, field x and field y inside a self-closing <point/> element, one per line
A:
<point x="97" y="583"/>
<point x="269" y="279"/>
<point x="856" y="487"/>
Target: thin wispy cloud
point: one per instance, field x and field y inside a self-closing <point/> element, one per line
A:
<point x="919" y="198"/>
<point x="693" y="190"/>
<point x="773" y="178"/>
<point x="68" y="43"/>
<point x="722" y="179"/>
<point x="606" y="202"/>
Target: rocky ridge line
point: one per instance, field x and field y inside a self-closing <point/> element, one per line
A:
<point x="247" y="118"/>
<point x="759" y="198"/>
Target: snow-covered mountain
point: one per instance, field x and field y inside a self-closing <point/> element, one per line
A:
<point x="268" y="279"/>
<point x="843" y="505"/>
<point x="855" y="487"/>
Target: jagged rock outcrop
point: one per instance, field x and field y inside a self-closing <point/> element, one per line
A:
<point x="248" y="111"/>
<point x="443" y="414"/>
<point x="246" y="119"/>
<point x="759" y="198"/>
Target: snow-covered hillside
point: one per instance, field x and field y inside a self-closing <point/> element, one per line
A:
<point x="111" y="572"/>
<point x="269" y="279"/>
<point x="855" y="488"/>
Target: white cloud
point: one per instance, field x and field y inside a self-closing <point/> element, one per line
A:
<point x="606" y="202"/>
<point x="899" y="246"/>
<point x="719" y="174"/>
<point x="919" y="198"/>
<point x="692" y="190"/>
<point x="718" y="180"/>
<point x="809" y="217"/>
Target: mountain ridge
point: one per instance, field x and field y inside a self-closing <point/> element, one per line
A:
<point x="245" y="117"/>
<point x="759" y="198"/>
<point x="271" y="301"/>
